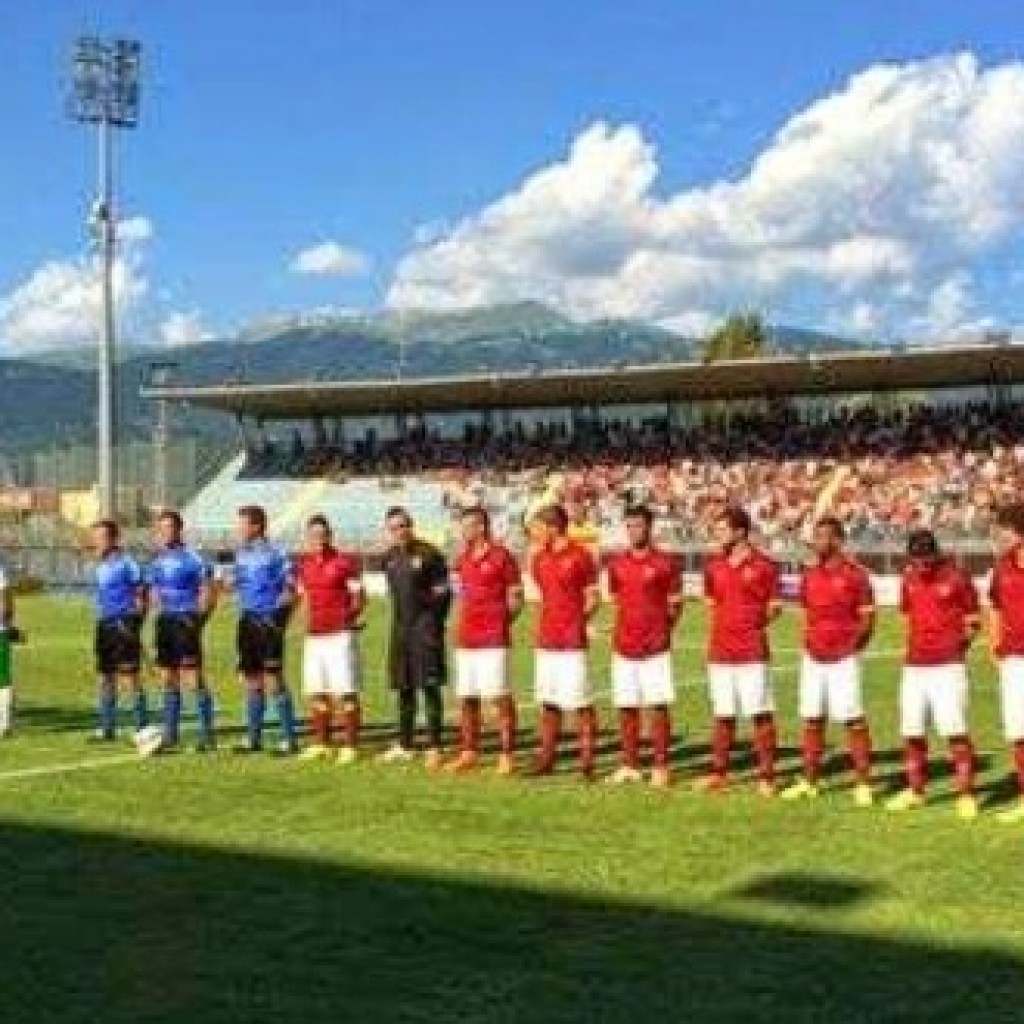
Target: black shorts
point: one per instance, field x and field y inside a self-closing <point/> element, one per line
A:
<point x="118" y="646"/>
<point x="179" y="640"/>
<point x="260" y="641"/>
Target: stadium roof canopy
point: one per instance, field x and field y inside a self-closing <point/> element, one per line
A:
<point x="875" y="370"/>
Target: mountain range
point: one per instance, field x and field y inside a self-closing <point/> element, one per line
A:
<point x="51" y="397"/>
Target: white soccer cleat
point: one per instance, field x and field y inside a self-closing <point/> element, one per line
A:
<point x="905" y="800"/>
<point x="149" y="740"/>
<point x="863" y="795"/>
<point x="347" y="756"/>
<point x="802" y="789"/>
<point x="315" y="752"/>
<point x="624" y="775"/>
<point x="397" y="754"/>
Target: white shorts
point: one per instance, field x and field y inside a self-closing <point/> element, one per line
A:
<point x="740" y="691"/>
<point x="642" y="682"/>
<point x="331" y="665"/>
<point x="1011" y="680"/>
<point x="481" y="673"/>
<point x="560" y="679"/>
<point x="831" y="689"/>
<point x="938" y="692"/>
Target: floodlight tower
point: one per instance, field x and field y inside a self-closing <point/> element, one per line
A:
<point x="105" y="93"/>
<point x="159" y="376"/>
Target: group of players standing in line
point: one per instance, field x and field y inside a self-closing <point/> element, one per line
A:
<point x="741" y="585"/>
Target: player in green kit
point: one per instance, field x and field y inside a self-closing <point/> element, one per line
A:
<point x="8" y="635"/>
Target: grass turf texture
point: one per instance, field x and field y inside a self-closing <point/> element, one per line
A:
<point x="220" y="889"/>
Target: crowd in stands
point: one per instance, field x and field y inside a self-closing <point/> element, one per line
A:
<point x="882" y="472"/>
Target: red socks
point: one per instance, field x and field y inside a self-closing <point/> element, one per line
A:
<point x="629" y="727"/>
<point x="470" y="726"/>
<point x="661" y="736"/>
<point x="814" y="749"/>
<point x="1018" y="759"/>
<point x="961" y="752"/>
<point x="320" y="721"/>
<point x="915" y="755"/>
<point x="766" y="742"/>
<point x="859" y="738"/>
<point x="587" y="727"/>
<point x="351" y="720"/>
<point x="507" y="724"/>
<point x="550" y="728"/>
<point x="721" y="745"/>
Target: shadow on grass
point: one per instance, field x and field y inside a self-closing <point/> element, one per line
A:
<point x="111" y="930"/>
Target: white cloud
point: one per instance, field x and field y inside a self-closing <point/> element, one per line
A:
<point x="181" y="328"/>
<point x="330" y="259"/>
<point x="59" y="303"/>
<point x="869" y="207"/>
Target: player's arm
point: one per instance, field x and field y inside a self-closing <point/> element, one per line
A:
<point x="866" y="613"/>
<point x="676" y="598"/>
<point x="972" y="610"/>
<point x="357" y="590"/>
<point x="774" y="594"/>
<point x="515" y="597"/>
<point x="994" y="616"/>
<point x="206" y="599"/>
<point x="141" y="591"/>
<point x="592" y="591"/>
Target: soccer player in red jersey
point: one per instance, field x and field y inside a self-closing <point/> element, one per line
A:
<point x="566" y="576"/>
<point x="839" y="617"/>
<point x="489" y="597"/>
<point x="646" y="586"/>
<point x="741" y="585"/>
<point x="940" y="603"/>
<point x="1006" y="634"/>
<point x="330" y="586"/>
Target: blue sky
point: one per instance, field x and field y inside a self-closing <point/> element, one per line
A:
<point x="393" y="128"/>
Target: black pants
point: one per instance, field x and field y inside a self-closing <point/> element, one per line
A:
<point x="407" y="701"/>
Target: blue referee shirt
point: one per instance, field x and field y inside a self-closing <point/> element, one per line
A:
<point x="117" y="579"/>
<point x="177" y="576"/>
<point x="262" y="575"/>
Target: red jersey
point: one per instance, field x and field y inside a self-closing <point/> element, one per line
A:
<point x="484" y="580"/>
<point x="1006" y="592"/>
<point x="833" y="594"/>
<point x="644" y="584"/>
<point x="936" y="601"/>
<point x="327" y="581"/>
<point x="741" y="596"/>
<point x="563" y="578"/>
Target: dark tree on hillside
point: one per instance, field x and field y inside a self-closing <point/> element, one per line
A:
<point x="742" y="336"/>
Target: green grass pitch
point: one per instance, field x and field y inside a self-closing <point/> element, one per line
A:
<point x="216" y="890"/>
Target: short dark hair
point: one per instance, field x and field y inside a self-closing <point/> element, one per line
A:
<point x="1011" y="517"/>
<point x="109" y="527"/>
<point x="171" y="515"/>
<point x="477" y="512"/>
<point x="318" y="520"/>
<point x="254" y="515"/>
<point x="399" y="511"/>
<point x="554" y="516"/>
<point x="833" y="525"/>
<point x="639" y="511"/>
<point x="922" y="544"/>
<point x="737" y="517"/>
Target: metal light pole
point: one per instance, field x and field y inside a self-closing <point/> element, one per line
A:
<point x="159" y="376"/>
<point x="106" y="93"/>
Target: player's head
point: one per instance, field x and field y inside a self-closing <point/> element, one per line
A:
<point x="399" y="526"/>
<point x="318" y="534"/>
<point x="732" y="527"/>
<point x="252" y="523"/>
<point x="1010" y="526"/>
<point x="828" y="537"/>
<point x="639" y="522"/>
<point x="476" y="525"/>
<point x="550" y="522"/>
<point x="104" y="536"/>
<point x="169" y="528"/>
<point x="923" y="548"/>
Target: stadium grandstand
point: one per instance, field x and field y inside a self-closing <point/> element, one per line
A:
<point x="885" y="439"/>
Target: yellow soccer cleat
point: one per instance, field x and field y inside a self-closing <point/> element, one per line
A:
<point x="863" y="795"/>
<point x="506" y="765"/>
<point x="661" y="778"/>
<point x="767" y="790"/>
<point x="905" y="800"/>
<point x="967" y="807"/>
<point x="316" y="752"/>
<point x="802" y="789"/>
<point x="347" y="756"/>
<point x="433" y="759"/>
<point x="1013" y="815"/>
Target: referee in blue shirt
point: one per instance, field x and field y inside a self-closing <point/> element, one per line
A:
<point x="182" y="594"/>
<point x="120" y="598"/>
<point x="265" y="592"/>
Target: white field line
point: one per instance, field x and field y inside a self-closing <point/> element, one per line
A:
<point x="67" y="767"/>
